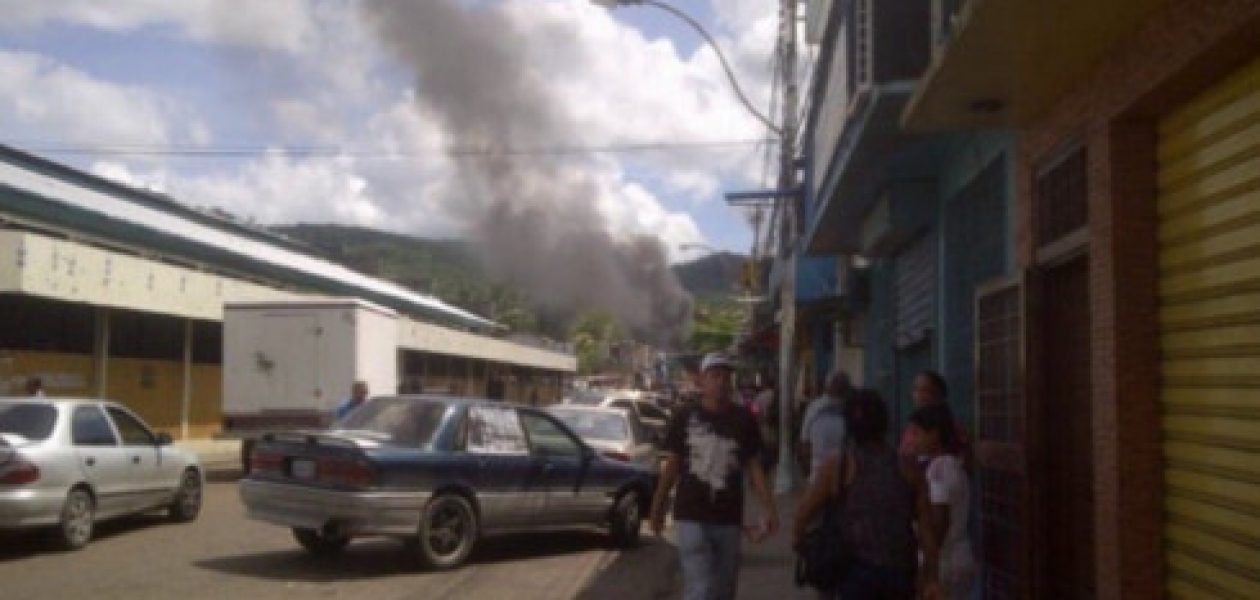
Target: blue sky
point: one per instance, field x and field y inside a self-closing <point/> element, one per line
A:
<point x="305" y="73"/>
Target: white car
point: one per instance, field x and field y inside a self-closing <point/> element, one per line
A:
<point x="616" y="434"/>
<point x="651" y="415"/>
<point x="67" y="464"/>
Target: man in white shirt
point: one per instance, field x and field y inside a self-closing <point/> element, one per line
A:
<point x="823" y="428"/>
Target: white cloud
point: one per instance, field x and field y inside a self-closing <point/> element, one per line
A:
<point x="43" y="100"/>
<point x="270" y="24"/>
<point x="616" y="85"/>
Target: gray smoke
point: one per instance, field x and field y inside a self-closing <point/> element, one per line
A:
<point x="533" y="218"/>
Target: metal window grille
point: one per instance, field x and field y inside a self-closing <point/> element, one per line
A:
<point x="1062" y="197"/>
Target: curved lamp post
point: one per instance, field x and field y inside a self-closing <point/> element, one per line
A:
<point x="726" y="66"/>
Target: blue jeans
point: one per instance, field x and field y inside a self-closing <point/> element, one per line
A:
<point x="710" y="560"/>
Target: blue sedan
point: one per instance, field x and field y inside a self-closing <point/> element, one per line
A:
<point x="441" y="473"/>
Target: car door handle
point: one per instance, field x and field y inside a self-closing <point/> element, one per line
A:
<point x="89" y="461"/>
<point x="135" y="460"/>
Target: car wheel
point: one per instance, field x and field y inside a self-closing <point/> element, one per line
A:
<point x="319" y="544"/>
<point x="187" y="503"/>
<point x="448" y="531"/>
<point x="627" y="521"/>
<point x="78" y="517"/>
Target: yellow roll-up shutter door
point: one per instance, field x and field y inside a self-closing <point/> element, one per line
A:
<point x="1209" y="260"/>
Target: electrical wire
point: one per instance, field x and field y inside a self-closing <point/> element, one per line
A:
<point x="340" y="151"/>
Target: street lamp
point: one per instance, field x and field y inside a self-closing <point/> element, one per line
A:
<point x="726" y="66"/>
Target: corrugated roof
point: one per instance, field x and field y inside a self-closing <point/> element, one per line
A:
<point x="70" y="188"/>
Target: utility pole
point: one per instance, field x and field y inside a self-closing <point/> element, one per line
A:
<point x="786" y="476"/>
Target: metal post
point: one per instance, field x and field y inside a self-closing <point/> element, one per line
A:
<point x="102" y="352"/>
<point x="185" y="408"/>
<point x="786" y="479"/>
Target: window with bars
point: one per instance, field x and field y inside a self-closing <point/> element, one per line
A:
<point x="1062" y="197"/>
<point x="999" y="381"/>
<point x="1002" y="526"/>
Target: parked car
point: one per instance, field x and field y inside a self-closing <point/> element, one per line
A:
<point x="653" y="416"/>
<point x="68" y="464"/>
<point x="616" y="433"/>
<point x="440" y="474"/>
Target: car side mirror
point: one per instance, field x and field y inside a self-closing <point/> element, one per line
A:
<point x="164" y="439"/>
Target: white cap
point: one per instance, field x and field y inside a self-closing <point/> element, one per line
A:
<point x="714" y="360"/>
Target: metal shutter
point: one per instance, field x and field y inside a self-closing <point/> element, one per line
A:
<point x="916" y="291"/>
<point x="1209" y="259"/>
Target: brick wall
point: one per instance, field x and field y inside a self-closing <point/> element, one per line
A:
<point x="1178" y="52"/>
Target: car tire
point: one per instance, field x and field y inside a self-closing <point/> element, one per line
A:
<point x="78" y="519"/>
<point x="448" y="532"/>
<point x="186" y="505"/>
<point x="319" y="544"/>
<point x="626" y="523"/>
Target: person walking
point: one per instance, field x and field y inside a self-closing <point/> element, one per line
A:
<point x="883" y="508"/>
<point x="822" y="427"/>
<point x="712" y="448"/>
<point x="950" y="495"/>
<point x="358" y="395"/>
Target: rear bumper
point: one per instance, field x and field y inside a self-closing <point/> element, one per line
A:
<point x="30" y="507"/>
<point x="356" y="513"/>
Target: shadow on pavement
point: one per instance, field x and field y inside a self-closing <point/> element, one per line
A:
<point x="377" y="558"/>
<point x="16" y="545"/>
<point x="649" y="572"/>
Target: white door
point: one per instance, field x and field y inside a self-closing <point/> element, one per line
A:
<point x="151" y="482"/>
<point x="102" y="460"/>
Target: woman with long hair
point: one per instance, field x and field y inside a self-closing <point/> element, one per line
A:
<point x="884" y="512"/>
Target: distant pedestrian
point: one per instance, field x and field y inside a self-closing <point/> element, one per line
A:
<point x="883" y="509"/>
<point x="711" y="448"/>
<point x="766" y="411"/>
<point x="822" y="428"/>
<point x="358" y="396"/>
<point x="950" y="495"/>
<point x="35" y="387"/>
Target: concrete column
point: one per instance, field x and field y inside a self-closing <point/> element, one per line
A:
<point x="185" y="408"/>
<point x="102" y="352"/>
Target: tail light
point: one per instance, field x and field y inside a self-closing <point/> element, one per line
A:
<point x="19" y="471"/>
<point x="346" y="472"/>
<point x="266" y="461"/>
<point x="621" y="456"/>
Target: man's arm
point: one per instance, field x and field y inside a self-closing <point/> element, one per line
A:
<point x="669" y="476"/>
<point x="758" y="479"/>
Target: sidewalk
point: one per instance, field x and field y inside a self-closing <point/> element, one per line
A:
<point x="221" y="459"/>
<point x="652" y="572"/>
<point x="768" y="568"/>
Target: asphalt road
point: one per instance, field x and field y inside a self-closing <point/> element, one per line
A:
<point x="224" y="555"/>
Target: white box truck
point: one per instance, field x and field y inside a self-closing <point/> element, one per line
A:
<point x="289" y="364"/>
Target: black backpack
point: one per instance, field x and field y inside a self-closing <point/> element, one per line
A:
<point x="823" y="558"/>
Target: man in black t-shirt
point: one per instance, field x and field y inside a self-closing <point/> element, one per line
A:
<point x="710" y="447"/>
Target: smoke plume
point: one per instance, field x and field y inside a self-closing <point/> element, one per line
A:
<point x="533" y="216"/>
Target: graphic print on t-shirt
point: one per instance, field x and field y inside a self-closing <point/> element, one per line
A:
<point x="713" y="457"/>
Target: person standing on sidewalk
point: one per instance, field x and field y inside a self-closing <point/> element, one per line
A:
<point x="358" y="396"/>
<point x="884" y="511"/>
<point x="822" y="428"/>
<point x="950" y="494"/>
<point x="711" y="448"/>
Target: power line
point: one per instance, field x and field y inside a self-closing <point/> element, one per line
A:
<point x="368" y="153"/>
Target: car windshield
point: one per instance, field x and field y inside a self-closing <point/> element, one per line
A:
<point x="406" y="422"/>
<point x="595" y="425"/>
<point x="31" y="421"/>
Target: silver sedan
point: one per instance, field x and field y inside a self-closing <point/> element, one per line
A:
<point x="67" y="464"/>
<point x="613" y="432"/>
